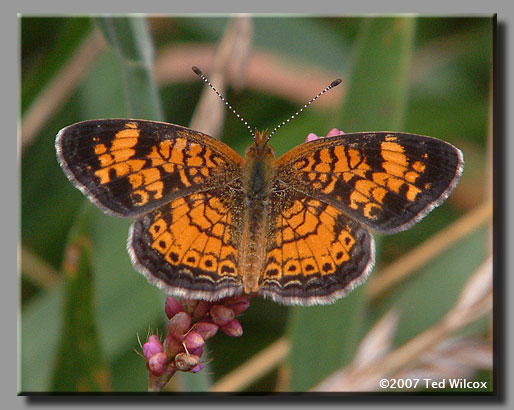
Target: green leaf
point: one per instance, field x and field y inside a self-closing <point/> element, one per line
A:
<point x="39" y="330"/>
<point x="322" y="336"/>
<point x="79" y="364"/>
<point x="197" y="382"/>
<point x="127" y="304"/>
<point x="377" y="83"/>
<point x="302" y="39"/>
<point x="326" y="337"/>
<point x="130" y="38"/>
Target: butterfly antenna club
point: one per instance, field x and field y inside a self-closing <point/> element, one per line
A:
<point x="332" y="85"/>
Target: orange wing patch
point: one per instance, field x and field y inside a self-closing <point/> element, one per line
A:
<point x="192" y="244"/>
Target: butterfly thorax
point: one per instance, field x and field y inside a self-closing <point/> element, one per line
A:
<point x="258" y="176"/>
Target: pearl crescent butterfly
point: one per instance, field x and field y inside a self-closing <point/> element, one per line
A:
<point x="211" y="224"/>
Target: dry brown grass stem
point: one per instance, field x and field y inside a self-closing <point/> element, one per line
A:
<point x="289" y="78"/>
<point x="37" y="270"/>
<point x="474" y="302"/>
<point x="459" y="357"/>
<point x="233" y="50"/>
<point x="60" y="87"/>
<point x="419" y="256"/>
<point x="266" y="72"/>
<point x="256" y="367"/>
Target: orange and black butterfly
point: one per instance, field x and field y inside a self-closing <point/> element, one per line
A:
<point x="211" y="224"/>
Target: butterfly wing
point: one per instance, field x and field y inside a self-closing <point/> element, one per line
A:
<point x="388" y="181"/>
<point x="317" y="253"/>
<point x="130" y="167"/>
<point x="189" y="247"/>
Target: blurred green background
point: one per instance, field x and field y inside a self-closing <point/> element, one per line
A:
<point x="424" y="75"/>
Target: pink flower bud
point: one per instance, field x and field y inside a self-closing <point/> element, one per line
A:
<point x="152" y="347"/>
<point x="238" y="304"/>
<point x="197" y="352"/>
<point x="311" y="137"/>
<point x="201" y="309"/>
<point x="157" y="363"/>
<point x="197" y="368"/>
<point x="172" y="307"/>
<point x="233" y="328"/>
<point x="334" y="132"/>
<point x="206" y="329"/>
<point x="172" y="346"/>
<point x="193" y="341"/>
<point x="179" y="325"/>
<point x="221" y="315"/>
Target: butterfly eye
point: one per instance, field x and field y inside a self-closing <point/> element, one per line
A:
<point x="250" y="148"/>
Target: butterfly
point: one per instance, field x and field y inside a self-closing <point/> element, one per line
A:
<point x="211" y="224"/>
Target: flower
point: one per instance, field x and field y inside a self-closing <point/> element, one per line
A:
<point x="172" y="307"/>
<point x="191" y="323"/>
<point x="334" y="132"/>
<point x="233" y="328"/>
<point x="206" y="329"/>
<point x="193" y="341"/>
<point x="221" y="315"/>
<point x="152" y="346"/>
<point x="179" y="325"/>
<point x="157" y="363"/>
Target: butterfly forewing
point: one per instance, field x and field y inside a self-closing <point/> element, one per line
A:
<point x="129" y="167"/>
<point x="386" y="180"/>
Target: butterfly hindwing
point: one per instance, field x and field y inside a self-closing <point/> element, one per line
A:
<point x="190" y="246"/>
<point x="316" y="253"/>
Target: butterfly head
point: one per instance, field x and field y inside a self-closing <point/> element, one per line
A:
<point x="260" y="148"/>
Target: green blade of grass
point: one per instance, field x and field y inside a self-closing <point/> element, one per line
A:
<point x="79" y="365"/>
<point x="45" y="311"/>
<point x="326" y="337"/>
<point x="377" y="84"/>
<point x="130" y="38"/>
<point x="442" y="280"/>
<point x="131" y="44"/>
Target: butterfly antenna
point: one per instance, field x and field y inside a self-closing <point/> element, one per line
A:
<point x="204" y="78"/>
<point x="332" y="85"/>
